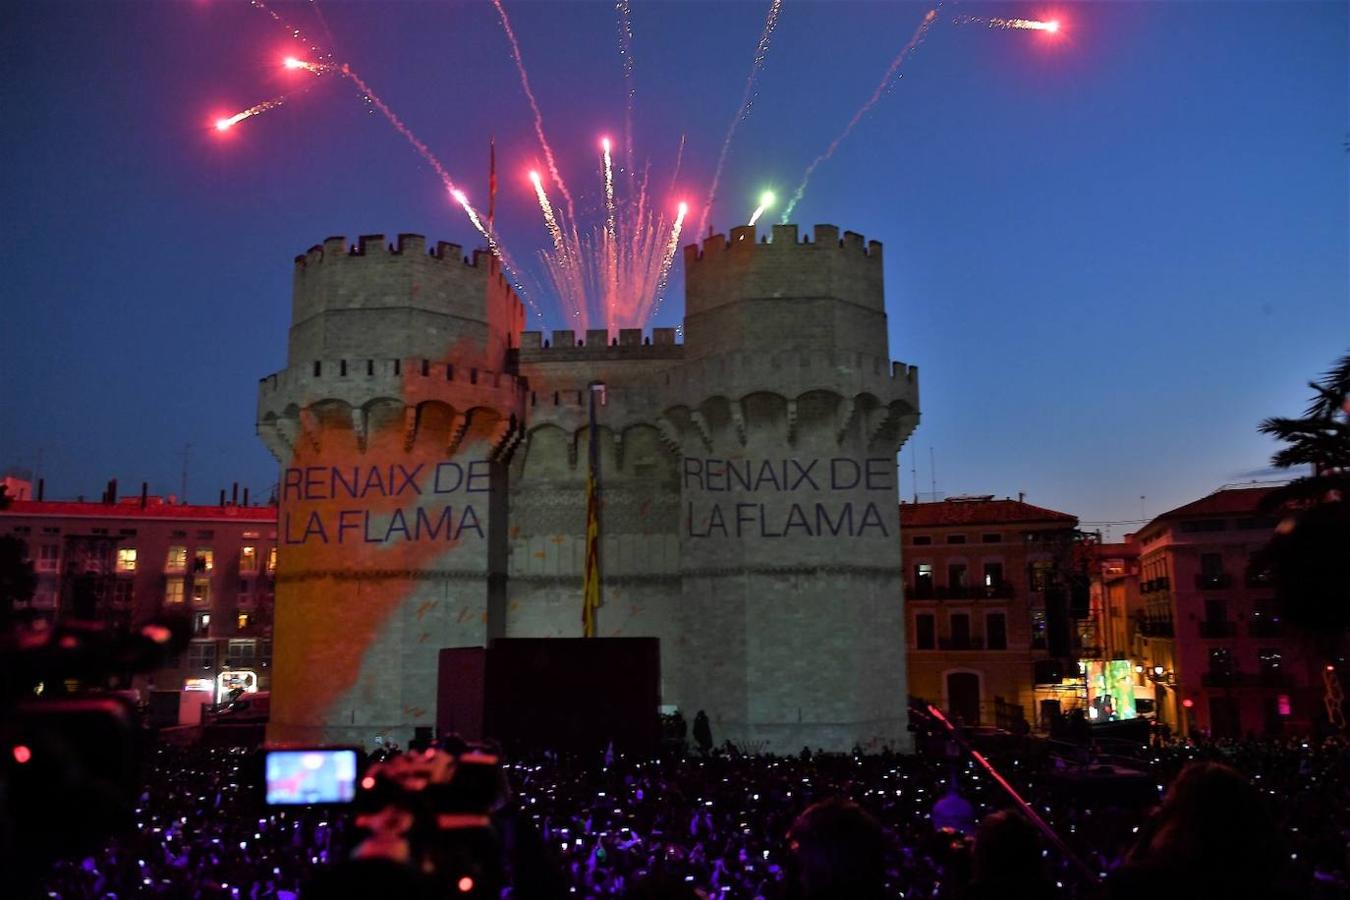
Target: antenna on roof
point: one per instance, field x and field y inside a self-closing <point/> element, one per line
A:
<point x="182" y="486"/>
<point x="914" y="463"/>
<point x="932" y="471"/>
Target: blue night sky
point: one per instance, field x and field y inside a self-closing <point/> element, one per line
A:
<point x="1111" y="252"/>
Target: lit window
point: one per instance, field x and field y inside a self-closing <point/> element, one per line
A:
<point x="201" y="592"/>
<point x="204" y="560"/>
<point x="241" y="620"/>
<point x="177" y="559"/>
<point x="126" y="559"/>
<point x="173" y="591"/>
<point x="201" y="624"/>
<point x="248" y="559"/>
<point x="271" y="560"/>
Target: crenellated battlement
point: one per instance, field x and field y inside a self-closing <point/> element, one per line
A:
<point x="373" y="298"/>
<point x="783" y="240"/>
<point x="373" y="246"/>
<point x="563" y="345"/>
<point x="811" y="294"/>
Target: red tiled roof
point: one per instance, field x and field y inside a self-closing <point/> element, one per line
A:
<point x="130" y="508"/>
<point x="1225" y="502"/>
<point x="978" y="512"/>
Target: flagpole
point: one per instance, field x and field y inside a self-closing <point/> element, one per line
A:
<point x="590" y="600"/>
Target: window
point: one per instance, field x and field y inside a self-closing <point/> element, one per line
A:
<point x="264" y="653"/>
<point x="956" y="538"/>
<point x="1038" y="629"/>
<point x="201" y="592"/>
<point x="126" y="559"/>
<point x="129" y="532"/>
<point x="1270" y="659"/>
<point x="956" y="576"/>
<point x="49" y="556"/>
<point x="201" y="655"/>
<point x="241" y="620"/>
<point x="176" y="561"/>
<point x="1221" y="661"/>
<point x="991" y="538"/>
<point x="271" y="560"/>
<point x="245" y="585"/>
<point x="205" y="535"/>
<point x="993" y="574"/>
<point x="923" y="580"/>
<point x="924" y="631"/>
<point x="241" y="654"/>
<point x="921" y="540"/>
<point x="1216" y="611"/>
<point x="201" y="624"/>
<point x="49" y="530"/>
<point x="1039" y="574"/>
<point x="173" y="591"/>
<point x="204" y="560"/>
<point x="996" y="631"/>
<point x="1203" y="525"/>
<point x="248" y="559"/>
<point x="960" y="626"/>
<point x="1211" y="564"/>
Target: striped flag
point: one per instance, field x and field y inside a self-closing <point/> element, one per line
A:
<point x="590" y="599"/>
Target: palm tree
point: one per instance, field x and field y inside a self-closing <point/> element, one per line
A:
<point x="1307" y="556"/>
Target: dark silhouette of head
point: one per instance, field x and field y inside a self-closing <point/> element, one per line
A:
<point x="838" y="849"/>
<point x="1213" y="834"/>
<point x="1007" y="860"/>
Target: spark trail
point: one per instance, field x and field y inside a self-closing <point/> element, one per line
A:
<point x="509" y="266"/>
<point x="766" y="200"/>
<point x="624" y="11"/>
<point x="747" y="99"/>
<point x="534" y="107"/>
<point x="228" y="122"/>
<point x="1051" y="26"/>
<point x="667" y="260"/>
<point x="914" y="40"/>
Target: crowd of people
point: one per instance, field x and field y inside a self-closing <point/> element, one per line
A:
<point x="1249" y="819"/>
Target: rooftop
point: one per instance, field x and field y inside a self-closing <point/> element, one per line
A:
<point x="130" y="508"/>
<point x="979" y="511"/>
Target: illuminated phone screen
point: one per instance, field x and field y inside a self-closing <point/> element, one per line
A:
<point x="303" y="777"/>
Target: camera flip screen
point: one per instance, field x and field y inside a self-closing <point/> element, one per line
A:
<point x="304" y="777"/>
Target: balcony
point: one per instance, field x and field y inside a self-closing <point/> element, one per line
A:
<point x="973" y="643"/>
<point x="919" y="592"/>
<point x="1270" y="678"/>
<point x="1257" y="578"/>
<point x="1003" y="590"/>
<point x="1217" y="628"/>
<point x="1155" y="627"/>
<point x="1154" y="585"/>
<point x="1265" y="627"/>
<point x="1213" y="581"/>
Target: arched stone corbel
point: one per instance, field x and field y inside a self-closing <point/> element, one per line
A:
<point x="701" y="425"/>
<point x="360" y="427"/>
<point x="738" y="420"/>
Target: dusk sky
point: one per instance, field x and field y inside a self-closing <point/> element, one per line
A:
<point x="1111" y="251"/>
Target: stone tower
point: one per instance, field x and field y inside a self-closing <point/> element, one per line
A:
<point x="750" y="508"/>
<point x="392" y="421"/>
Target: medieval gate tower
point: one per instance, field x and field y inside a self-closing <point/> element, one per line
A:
<point x="433" y="488"/>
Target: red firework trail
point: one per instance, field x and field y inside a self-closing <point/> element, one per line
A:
<point x="538" y="116"/>
<point x="742" y="112"/>
<point x="928" y="20"/>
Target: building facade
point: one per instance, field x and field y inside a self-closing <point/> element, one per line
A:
<point x="434" y="486"/>
<point x="125" y="562"/>
<point x="1209" y="619"/>
<point x="990" y="627"/>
